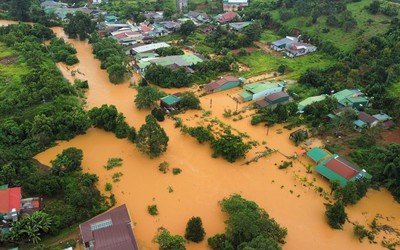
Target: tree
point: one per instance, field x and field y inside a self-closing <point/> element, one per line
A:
<point x="201" y="134"/>
<point x="194" y="230"/>
<point x="116" y="73"/>
<point x="231" y="147"/>
<point x="79" y="26"/>
<point x="189" y="100"/>
<point x="30" y="227"/>
<point x="69" y="160"/>
<point x="151" y="138"/>
<point x="167" y="241"/>
<point x="147" y="97"/>
<point x="187" y="28"/>
<point x="336" y="214"/>
<point x="19" y="9"/>
<point x="374" y="7"/>
<point x="159" y="114"/>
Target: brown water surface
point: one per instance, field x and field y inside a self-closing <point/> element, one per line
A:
<point x="205" y="180"/>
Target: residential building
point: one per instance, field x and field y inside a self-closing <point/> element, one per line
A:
<point x="171" y="102"/>
<point x="299" y="49"/>
<point x="336" y="168"/>
<point x="149" y="47"/>
<point x="254" y="91"/>
<point x="317" y="154"/>
<point x="274" y="99"/>
<point x="234" y="5"/>
<point x="170" y="26"/>
<point x="185" y="60"/>
<point x="385" y="120"/>
<point x="200" y="17"/>
<point x="110" y="230"/>
<point x="239" y="26"/>
<point x="111" y="19"/>
<point x="365" y="121"/>
<point x="10" y="198"/>
<point x="282" y="43"/>
<point x="352" y="98"/>
<point x="224" y="83"/>
<point x="226" y="17"/>
<point x="310" y="100"/>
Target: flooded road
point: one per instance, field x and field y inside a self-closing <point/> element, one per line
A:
<point x="204" y="180"/>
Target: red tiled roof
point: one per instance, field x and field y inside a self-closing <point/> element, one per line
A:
<point x="367" y="118"/>
<point x="275" y="96"/>
<point x="341" y="169"/>
<point x="227" y="16"/>
<point x="119" y="235"/>
<point x="144" y="28"/>
<point x="10" y="198"/>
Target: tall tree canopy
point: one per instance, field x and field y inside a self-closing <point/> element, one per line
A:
<point x="151" y="138"/>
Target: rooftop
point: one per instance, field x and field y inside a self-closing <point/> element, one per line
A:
<point x="180" y="60"/>
<point x="10" y="198"/>
<point x="311" y="100"/>
<point x="150" y="47"/>
<point x="218" y="83"/>
<point x="367" y="118"/>
<point x="317" y="154"/>
<point x="285" y="40"/>
<point x="275" y="96"/>
<point x="110" y="230"/>
<point x="260" y="86"/>
<point x="170" y="99"/>
<point x="240" y="25"/>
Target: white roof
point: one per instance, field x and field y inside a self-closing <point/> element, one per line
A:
<point x="150" y="47"/>
<point x="237" y="1"/>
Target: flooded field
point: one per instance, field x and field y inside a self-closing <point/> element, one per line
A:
<point x="284" y="194"/>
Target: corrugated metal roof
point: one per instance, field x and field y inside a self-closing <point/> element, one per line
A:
<point x="311" y="100"/>
<point x="317" y="154"/>
<point x="275" y="96"/>
<point x="10" y="198"/>
<point x="260" y="86"/>
<point x="170" y="99"/>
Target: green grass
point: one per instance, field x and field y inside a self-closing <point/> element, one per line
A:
<point x="394" y="90"/>
<point x="260" y="63"/>
<point x="269" y="36"/>
<point x="5" y="51"/>
<point x="12" y="72"/>
<point x="346" y="41"/>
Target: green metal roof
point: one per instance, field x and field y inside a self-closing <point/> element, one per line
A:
<point x="259" y="86"/>
<point x="317" y="154"/>
<point x="343" y="94"/>
<point x="331" y="175"/>
<point x="359" y="123"/>
<point x="5" y="186"/>
<point x="191" y="58"/>
<point x="170" y="99"/>
<point x="311" y="100"/>
<point x="245" y="94"/>
<point x="349" y="101"/>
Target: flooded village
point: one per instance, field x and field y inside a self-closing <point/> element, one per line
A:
<point x="293" y="195"/>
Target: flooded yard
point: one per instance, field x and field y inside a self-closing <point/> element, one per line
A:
<point x="204" y="180"/>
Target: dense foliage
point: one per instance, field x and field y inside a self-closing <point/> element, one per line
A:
<point x="68" y="161"/>
<point x="109" y="119"/>
<point x="147" y="97"/>
<point x="167" y="241"/>
<point x="151" y="138"/>
<point x="230" y="147"/>
<point x="79" y="26"/>
<point x="194" y="230"/>
<point x="336" y="214"/>
<point x="248" y="226"/>
<point x="62" y="51"/>
<point x="189" y="100"/>
<point x="112" y="57"/>
<point x="202" y="134"/>
<point x="37" y="107"/>
<point x="169" y="51"/>
<point x="168" y="78"/>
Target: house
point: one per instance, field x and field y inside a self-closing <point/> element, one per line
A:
<point x="109" y="230"/>
<point x="10" y="199"/>
<point x="386" y="120"/>
<point x="226" y="82"/>
<point x="352" y="98"/>
<point x="239" y="26"/>
<point x="157" y="16"/>
<point x="364" y="121"/>
<point x="199" y="17"/>
<point x="299" y="49"/>
<point x="149" y="47"/>
<point x="53" y="4"/>
<point x="273" y="99"/>
<point x="259" y="90"/>
<point x="185" y="60"/>
<point x="170" y="102"/>
<point x="310" y="100"/>
<point x="281" y="44"/>
<point x="170" y="26"/>
<point x="336" y="168"/>
<point x="226" y="17"/>
<point x="317" y="154"/>
<point x="111" y="19"/>
<point x="234" y="5"/>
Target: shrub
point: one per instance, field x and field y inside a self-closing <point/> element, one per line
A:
<point x="201" y="134"/>
<point x="81" y="84"/>
<point x="113" y="162"/>
<point x="152" y="209"/>
<point x="108" y="186"/>
<point x="71" y="60"/>
<point x="176" y="171"/>
<point x="116" y="176"/>
<point x="159" y="114"/>
<point x="194" y="230"/>
<point x="163" y="167"/>
<point x="336" y="214"/>
<point x="285" y="164"/>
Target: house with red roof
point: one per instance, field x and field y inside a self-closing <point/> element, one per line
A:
<point x="10" y="198"/>
<point x="365" y="120"/>
<point x="224" y="83"/>
<point x="109" y="230"/>
<point x="226" y="17"/>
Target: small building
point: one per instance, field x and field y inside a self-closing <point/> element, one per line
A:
<point x="149" y="47"/>
<point x="352" y="98"/>
<point x="199" y="16"/>
<point x="185" y="60"/>
<point x="170" y="26"/>
<point x="111" y="19"/>
<point x="10" y="198"/>
<point x="336" y="168"/>
<point x="171" y="102"/>
<point x="226" y="17"/>
<point x="234" y="5"/>
<point x="365" y="121"/>
<point x="385" y="120"/>
<point x="317" y="154"/>
<point x="273" y="99"/>
<point x="299" y="49"/>
<point x="239" y="26"/>
<point x="282" y="43"/>
<point x="310" y="100"/>
<point x="226" y="82"/>
<point x="254" y="91"/>
<point x="109" y="230"/>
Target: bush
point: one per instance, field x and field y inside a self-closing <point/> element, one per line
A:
<point x="81" y="84"/>
<point x="194" y="230"/>
<point x="159" y="114"/>
<point x="285" y="164"/>
<point x="71" y="60"/>
<point x="152" y="209"/>
<point x="336" y="214"/>
<point x="163" y="167"/>
<point x="201" y="134"/>
<point x="113" y="162"/>
<point x="176" y="171"/>
<point x="108" y="186"/>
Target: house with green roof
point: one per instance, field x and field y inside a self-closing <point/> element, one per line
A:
<point x="336" y="168"/>
<point x="352" y="98"/>
<point x="171" y="102"/>
<point x="317" y="154"/>
<point x="254" y="91"/>
<point x="310" y="100"/>
<point x="239" y="26"/>
<point x="185" y="60"/>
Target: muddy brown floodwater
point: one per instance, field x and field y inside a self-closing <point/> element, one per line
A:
<point x="205" y="180"/>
